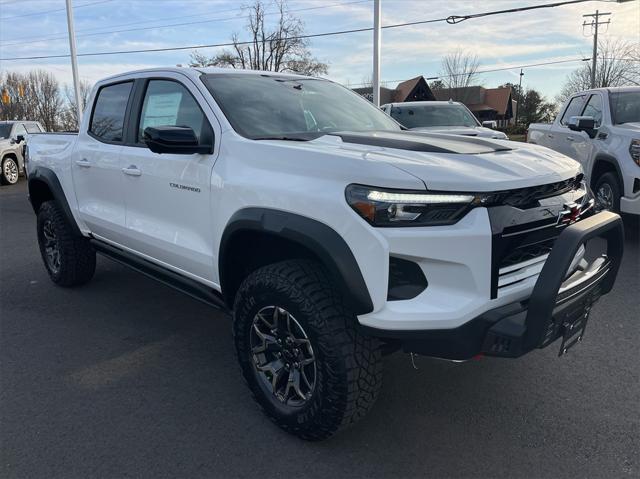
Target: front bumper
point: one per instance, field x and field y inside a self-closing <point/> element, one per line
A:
<point x="558" y="306"/>
<point x="630" y="205"/>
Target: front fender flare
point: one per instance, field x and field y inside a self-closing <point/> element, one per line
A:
<point x="323" y="241"/>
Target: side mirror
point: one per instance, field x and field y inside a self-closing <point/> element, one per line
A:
<point x="19" y="138"/>
<point x="490" y="124"/>
<point x="180" y="140"/>
<point x="583" y="123"/>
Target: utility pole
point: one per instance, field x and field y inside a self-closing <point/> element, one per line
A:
<point x="519" y="96"/>
<point x="74" y="60"/>
<point x="376" y="52"/>
<point x="595" y="23"/>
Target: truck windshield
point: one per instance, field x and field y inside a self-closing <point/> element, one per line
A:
<point x="5" y="131"/>
<point x="426" y="115"/>
<point x="625" y="107"/>
<point x="290" y="108"/>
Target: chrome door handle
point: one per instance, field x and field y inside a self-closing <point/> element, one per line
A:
<point x="549" y="135"/>
<point x="132" y="171"/>
<point x="84" y="163"/>
<point x="570" y="138"/>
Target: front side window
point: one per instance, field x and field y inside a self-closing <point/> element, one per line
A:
<point x="19" y="130"/>
<point x="426" y="115"/>
<point x="269" y="106"/>
<point x="594" y="109"/>
<point x="168" y="103"/>
<point x="573" y="109"/>
<point x="107" y="120"/>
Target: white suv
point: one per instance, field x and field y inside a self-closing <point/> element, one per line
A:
<point x="331" y="235"/>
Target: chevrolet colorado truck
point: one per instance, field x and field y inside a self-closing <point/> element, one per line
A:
<point x="329" y="233"/>
<point x="449" y="117"/>
<point x="600" y="128"/>
<point x="13" y="136"/>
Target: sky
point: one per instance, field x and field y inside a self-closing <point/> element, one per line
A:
<point x="39" y="27"/>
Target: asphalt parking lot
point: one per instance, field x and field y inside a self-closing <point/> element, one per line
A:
<point x="126" y="378"/>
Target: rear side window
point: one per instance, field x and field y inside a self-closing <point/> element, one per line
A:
<point x="168" y="103"/>
<point x="107" y="120"/>
<point x="573" y="109"/>
<point x="594" y="109"/>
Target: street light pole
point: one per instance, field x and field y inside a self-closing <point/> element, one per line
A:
<point x="74" y="60"/>
<point x="376" y="52"/>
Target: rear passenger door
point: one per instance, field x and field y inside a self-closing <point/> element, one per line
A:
<point x="97" y="173"/>
<point x="168" y="209"/>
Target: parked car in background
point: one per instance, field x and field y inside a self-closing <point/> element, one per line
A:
<point x="330" y="234"/>
<point x="601" y="129"/>
<point x="13" y="136"/>
<point x="441" y="117"/>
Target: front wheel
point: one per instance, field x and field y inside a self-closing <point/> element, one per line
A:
<point x="9" y="171"/>
<point x="307" y="364"/>
<point x="608" y="193"/>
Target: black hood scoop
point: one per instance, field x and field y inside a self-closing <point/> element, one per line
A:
<point x="420" y="141"/>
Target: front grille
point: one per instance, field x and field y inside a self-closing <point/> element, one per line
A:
<point x="528" y="197"/>
<point x="527" y="252"/>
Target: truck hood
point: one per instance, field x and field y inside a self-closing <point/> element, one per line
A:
<point x="448" y="163"/>
<point x="478" y="131"/>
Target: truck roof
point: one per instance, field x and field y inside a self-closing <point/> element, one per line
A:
<point x="611" y="89"/>
<point x="195" y="72"/>
<point x="417" y="103"/>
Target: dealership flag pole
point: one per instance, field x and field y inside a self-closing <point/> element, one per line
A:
<point x="376" y="52"/>
<point x="74" y="59"/>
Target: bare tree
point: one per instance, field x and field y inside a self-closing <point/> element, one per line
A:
<point x="12" y="88"/>
<point x="69" y="112"/>
<point x="459" y="71"/>
<point x="618" y="64"/>
<point x="278" y="49"/>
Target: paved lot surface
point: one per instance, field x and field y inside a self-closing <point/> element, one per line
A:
<point x="127" y="378"/>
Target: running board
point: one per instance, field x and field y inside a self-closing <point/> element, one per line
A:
<point x="170" y="278"/>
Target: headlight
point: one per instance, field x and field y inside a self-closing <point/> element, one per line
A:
<point x="634" y="150"/>
<point x="384" y="207"/>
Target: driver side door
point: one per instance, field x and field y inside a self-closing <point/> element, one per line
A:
<point x="168" y="196"/>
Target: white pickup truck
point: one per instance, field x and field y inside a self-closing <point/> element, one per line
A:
<point x="600" y="128"/>
<point x="330" y="234"/>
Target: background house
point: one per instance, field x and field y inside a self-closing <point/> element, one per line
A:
<point x="485" y="103"/>
<point x="415" y="89"/>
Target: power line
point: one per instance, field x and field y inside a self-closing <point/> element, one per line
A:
<point x="514" y="67"/>
<point x="46" y="12"/>
<point x="457" y="19"/>
<point x="171" y="25"/>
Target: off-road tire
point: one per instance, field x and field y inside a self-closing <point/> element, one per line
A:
<point x="77" y="258"/>
<point x="7" y="180"/>
<point x="348" y="362"/>
<point x="610" y="179"/>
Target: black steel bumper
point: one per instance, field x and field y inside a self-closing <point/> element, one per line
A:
<point x="558" y="306"/>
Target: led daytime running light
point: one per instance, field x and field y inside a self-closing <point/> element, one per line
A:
<point x="417" y="198"/>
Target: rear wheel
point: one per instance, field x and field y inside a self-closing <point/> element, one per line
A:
<point x="307" y="364"/>
<point x="69" y="258"/>
<point x="9" y="171"/>
<point x="608" y="192"/>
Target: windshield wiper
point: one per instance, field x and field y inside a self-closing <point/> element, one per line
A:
<point x="283" y="138"/>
